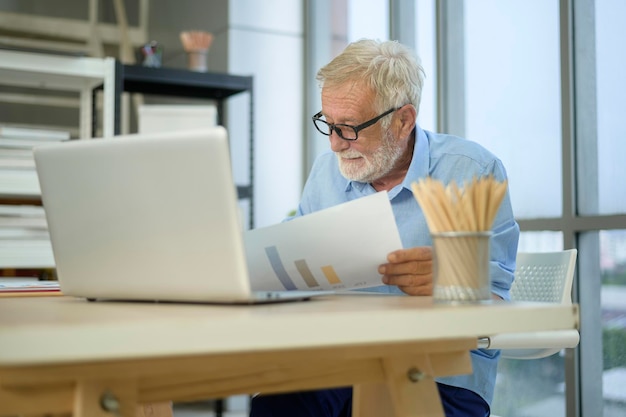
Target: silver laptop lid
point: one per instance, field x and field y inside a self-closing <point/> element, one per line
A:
<point x="145" y="217"/>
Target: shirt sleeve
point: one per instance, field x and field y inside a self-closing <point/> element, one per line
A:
<point x="504" y="240"/>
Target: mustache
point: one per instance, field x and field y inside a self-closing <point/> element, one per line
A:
<point x="350" y="153"/>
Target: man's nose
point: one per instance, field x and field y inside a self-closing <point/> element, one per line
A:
<point x="336" y="143"/>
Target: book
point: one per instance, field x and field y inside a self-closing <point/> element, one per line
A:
<point x="16" y="163"/>
<point x="22" y="211"/>
<point x="26" y="253"/>
<point x="24" y="237"/>
<point x="33" y="134"/>
<point x="19" y="182"/>
<point x="25" y="143"/>
<point x="30" y="286"/>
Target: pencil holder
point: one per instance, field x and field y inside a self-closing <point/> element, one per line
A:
<point x="197" y="60"/>
<point x="461" y="267"/>
<point x="196" y="43"/>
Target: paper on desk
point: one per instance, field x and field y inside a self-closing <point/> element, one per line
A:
<point x="333" y="249"/>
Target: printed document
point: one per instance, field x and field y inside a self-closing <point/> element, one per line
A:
<point x="338" y="248"/>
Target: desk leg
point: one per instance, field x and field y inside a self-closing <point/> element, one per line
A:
<point x="409" y="391"/>
<point x="105" y="399"/>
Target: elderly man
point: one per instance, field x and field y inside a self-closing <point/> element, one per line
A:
<point x="370" y="100"/>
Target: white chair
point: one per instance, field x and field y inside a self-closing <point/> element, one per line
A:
<point x="544" y="277"/>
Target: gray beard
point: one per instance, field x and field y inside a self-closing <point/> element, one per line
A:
<point x="377" y="165"/>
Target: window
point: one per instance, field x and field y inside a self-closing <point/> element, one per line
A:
<point x="540" y="83"/>
<point x="513" y="96"/>
<point x="611" y="90"/>
<point x="613" y="313"/>
<point x="367" y="20"/>
<point x="425" y="47"/>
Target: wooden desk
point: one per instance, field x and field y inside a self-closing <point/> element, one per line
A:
<point x="61" y="354"/>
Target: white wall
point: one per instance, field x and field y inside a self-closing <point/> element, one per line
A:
<point x="266" y="40"/>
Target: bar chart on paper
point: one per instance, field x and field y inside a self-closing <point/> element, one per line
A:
<point x="304" y="272"/>
<point x="333" y="249"/>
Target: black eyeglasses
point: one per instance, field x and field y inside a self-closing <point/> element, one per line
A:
<point x="345" y="132"/>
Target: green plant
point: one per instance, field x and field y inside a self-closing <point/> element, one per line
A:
<point x="614" y="347"/>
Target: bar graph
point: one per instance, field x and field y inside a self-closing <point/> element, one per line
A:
<point x="305" y="272"/>
<point x="279" y="268"/>
<point x="331" y="275"/>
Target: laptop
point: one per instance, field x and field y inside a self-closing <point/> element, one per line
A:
<point x="148" y="217"/>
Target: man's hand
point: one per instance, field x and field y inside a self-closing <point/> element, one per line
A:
<point x="410" y="269"/>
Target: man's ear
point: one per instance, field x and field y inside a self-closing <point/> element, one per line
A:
<point x="407" y="115"/>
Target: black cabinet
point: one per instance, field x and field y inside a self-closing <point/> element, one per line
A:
<point x="184" y="83"/>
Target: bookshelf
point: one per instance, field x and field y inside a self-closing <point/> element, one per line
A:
<point x="25" y="248"/>
<point x="24" y="241"/>
<point x="109" y="77"/>
<point x="64" y="73"/>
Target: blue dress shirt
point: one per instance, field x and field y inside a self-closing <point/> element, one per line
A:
<point x="445" y="158"/>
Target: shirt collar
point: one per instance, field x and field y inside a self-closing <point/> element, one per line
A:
<point x="420" y="163"/>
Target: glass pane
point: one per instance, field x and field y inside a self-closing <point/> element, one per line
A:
<point x="513" y="96"/>
<point x="532" y="388"/>
<point x="369" y="20"/>
<point x="351" y="21"/>
<point x="425" y="46"/>
<point x="613" y="303"/>
<point x="540" y="241"/>
<point x="611" y="89"/>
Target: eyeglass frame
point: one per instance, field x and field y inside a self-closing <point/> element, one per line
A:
<point x="333" y="126"/>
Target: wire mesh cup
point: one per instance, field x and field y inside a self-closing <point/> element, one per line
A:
<point x="461" y="267"/>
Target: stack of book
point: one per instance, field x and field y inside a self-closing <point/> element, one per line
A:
<point x="24" y="238"/>
<point x="13" y="287"/>
<point x="18" y="178"/>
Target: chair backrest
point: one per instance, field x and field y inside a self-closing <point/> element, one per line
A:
<point x="544" y="276"/>
<point x="541" y="277"/>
